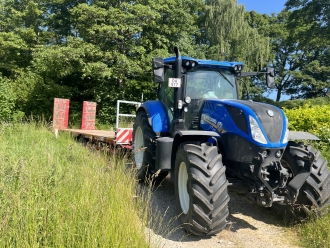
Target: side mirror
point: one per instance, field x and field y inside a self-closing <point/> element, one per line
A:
<point x="158" y="70"/>
<point x="270" y="77"/>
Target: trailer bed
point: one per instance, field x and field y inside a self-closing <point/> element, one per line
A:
<point x="99" y="135"/>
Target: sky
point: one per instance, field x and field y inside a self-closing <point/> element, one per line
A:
<point x="264" y="6"/>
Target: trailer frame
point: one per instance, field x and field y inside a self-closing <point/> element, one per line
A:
<point x="122" y="136"/>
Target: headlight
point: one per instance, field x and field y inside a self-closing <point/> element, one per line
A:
<point x="286" y="135"/>
<point x="256" y="132"/>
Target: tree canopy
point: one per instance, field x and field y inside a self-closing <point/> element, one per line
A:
<point x="101" y="50"/>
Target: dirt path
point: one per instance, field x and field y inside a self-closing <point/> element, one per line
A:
<point x="249" y="225"/>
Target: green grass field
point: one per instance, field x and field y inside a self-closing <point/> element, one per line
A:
<point x="54" y="192"/>
<point x="57" y="193"/>
<point x="315" y="232"/>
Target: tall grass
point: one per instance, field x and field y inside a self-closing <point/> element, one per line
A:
<point x="55" y="193"/>
<point x="315" y="233"/>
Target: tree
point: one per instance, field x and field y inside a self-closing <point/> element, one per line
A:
<point x="230" y="37"/>
<point x="299" y="63"/>
<point x="314" y="15"/>
<point x="287" y="57"/>
<point x="129" y="35"/>
<point x="309" y="24"/>
<point x="59" y="19"/>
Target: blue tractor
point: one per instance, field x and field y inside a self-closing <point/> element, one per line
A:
<point x="210" y="141"/>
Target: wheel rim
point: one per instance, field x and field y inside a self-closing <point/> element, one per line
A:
<point x="182" y="186"/>
<point x="138" y="148"/>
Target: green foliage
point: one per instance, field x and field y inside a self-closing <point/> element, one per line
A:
<point x="313" y="12"/>
<point x="309" y="118"/>
<point x="57" y="193"/>
<point x="290" y="104"/>
<point x="313" y="119"/>
<point x="231" y="38"/>
<point x="288" y="56"/>
<point x="7" y="99"/>
<point x="310" y="29"/>
<point x="315" y="233"/>
<point x="14" y="54"/>
<point x="300" y="40"/>
<point x="101" y="51"/>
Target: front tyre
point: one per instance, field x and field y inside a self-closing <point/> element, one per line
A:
<point x="201" y="188"/>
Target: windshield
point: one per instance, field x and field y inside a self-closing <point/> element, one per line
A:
<point x="211" y="84"/>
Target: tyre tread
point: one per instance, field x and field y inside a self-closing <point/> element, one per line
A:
<point x="315" y="192"/>
<point x="208" y="188"/>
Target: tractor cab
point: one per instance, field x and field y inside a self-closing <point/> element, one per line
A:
<point x="183" y="90"/>
<point x="204" y="83"/>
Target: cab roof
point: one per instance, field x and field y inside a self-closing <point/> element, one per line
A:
<point x="204" y="62"/>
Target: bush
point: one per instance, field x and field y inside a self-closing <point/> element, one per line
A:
<point x="313" y="119"/>
<point x="292" y="104"/>
<point x="309" y="118"/>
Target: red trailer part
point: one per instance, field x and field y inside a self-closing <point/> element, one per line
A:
<point x="61" y="113"/>
<point x="121" y="136"/>
<point x="88" y="116"/>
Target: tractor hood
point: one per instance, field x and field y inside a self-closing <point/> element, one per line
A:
<point x="262" y="124"/>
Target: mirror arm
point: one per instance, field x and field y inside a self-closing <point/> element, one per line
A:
<point x="269" y="76"/>
<point x="249" y="74"/>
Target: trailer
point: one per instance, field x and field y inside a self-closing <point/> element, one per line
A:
<point x="121" y="136"/>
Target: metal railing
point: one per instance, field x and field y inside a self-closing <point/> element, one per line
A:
<point x="138" y="104"/>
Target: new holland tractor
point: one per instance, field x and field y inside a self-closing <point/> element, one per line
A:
<point x="201" y="132"/>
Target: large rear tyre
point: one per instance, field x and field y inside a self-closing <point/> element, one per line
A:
<point x="314" y="194"/>
<point x="201" y="188"/>
<point x="144" y="149"/>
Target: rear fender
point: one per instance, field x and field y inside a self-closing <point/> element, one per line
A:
<point x="157" y="117"/>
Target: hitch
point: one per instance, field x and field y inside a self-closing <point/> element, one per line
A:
<point x="273" y="178"/>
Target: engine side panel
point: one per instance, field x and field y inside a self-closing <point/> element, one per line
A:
<point x="232" y="117"/>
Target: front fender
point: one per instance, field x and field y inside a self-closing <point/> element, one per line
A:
<point x="192" y="135"/>
<point x="298" y="135"/>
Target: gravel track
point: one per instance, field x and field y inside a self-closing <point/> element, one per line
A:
<point x="249" y="225"/>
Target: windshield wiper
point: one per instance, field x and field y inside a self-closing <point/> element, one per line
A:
<point x="224" y="76"/>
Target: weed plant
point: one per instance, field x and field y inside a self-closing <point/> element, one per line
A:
<point x="56" y="193"/>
